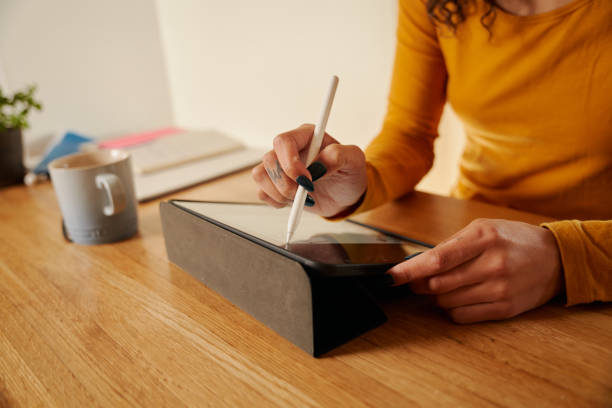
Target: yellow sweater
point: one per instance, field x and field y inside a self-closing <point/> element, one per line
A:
<point x="535" y="100"/>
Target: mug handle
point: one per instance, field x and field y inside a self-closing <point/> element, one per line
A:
<point x="114" y="192"/>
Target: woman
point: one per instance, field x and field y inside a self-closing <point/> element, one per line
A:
<point x="530" y="80"/>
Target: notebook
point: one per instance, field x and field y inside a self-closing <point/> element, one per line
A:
<point x="172" y="159"/>
<point x="180" y="148"/>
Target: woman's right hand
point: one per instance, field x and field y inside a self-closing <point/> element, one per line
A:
<point x="342" y="185"/>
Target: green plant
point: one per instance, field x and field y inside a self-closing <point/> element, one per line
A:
<point x="14" y="109"/>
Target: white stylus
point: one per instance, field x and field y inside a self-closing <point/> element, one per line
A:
<point x="313" y="150"/>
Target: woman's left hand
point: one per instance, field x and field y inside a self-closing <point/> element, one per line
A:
<point x="490" y="270"/>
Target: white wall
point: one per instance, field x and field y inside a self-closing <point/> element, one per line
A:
<point x="98" y="64"/>
<point x="258" y="68"/>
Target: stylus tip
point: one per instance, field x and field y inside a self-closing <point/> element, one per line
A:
<point x="288" y="238"/>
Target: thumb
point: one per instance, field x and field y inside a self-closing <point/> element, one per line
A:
<point x="336" y="157"/>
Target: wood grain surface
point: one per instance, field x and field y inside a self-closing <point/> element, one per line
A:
<point x="118" y="325"/>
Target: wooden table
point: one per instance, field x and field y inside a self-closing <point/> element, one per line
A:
<point x="118" y="324"/>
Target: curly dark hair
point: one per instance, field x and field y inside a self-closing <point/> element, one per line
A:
<point x="451" y="13"/>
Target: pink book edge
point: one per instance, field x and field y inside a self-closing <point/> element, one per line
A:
<point x="133" y="139"/>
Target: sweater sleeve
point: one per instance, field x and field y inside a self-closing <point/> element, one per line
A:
<point x="586" y="255"/>
<point x="402" y="153"/>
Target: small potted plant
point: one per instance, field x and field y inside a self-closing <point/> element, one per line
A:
<point x="14" y="110"/>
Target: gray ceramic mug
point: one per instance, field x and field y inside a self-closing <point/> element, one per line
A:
<point x="95" y="191"/>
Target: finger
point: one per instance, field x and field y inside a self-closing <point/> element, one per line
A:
<point x="288" y="146"/>
<point x="267" y="199"/>
<point x="466" y="274"/>
<point x="266" y="185"/>
<point x="336" y="157"/>
<point x="469" y="273"/>
<point x="483" y="292"/>
<point x="482" y="311"/>
<point x="282" y="184"/>
<point x="469" y="243"/>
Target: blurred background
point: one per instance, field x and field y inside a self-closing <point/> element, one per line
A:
<point x="250" y="69"/>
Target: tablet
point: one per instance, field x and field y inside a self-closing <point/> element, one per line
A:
<point x="330" y="248"/>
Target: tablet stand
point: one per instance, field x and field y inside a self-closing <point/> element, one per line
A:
<point x="315" y="313"/>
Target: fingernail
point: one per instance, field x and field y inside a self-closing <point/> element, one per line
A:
<point x="317" y="170"/>
<point x="304" y="182"/>
<point x="412" y="255"/>
<point x="310" y="202"/>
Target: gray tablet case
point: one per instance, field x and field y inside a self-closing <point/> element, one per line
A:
<point x="316" y="314"/>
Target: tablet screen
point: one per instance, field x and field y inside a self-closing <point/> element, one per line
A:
<point x="329" y="242"/>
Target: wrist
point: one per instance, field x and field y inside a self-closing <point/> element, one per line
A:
<point x="556" y="262"/>
<point x="347" y="210"/>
